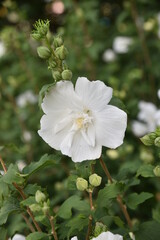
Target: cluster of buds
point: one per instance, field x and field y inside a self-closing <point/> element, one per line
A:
<point x="83" y="185"/>
<point x="42" y="204"/>
<point x="152" y="138"/>
<point x="54" y="52"/>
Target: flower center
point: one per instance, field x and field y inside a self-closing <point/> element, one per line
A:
<point x="79" y="122"/>
<point x="83" y="120"/>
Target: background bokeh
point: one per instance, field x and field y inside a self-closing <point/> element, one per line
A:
<point x="117" y="42"/>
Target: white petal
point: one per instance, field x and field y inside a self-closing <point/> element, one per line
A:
<point x="67" y="143"/>
<point x="18" y="237"/>
<point x="158" y="93"/>
<point x="81" y="151"/>
<point x="139" y="129"/>
<point x="61" y="96"/>
<point x="110" y="126"/>
<point x="94" y="94"/>
<point x="157" y="117"/>
<point x="47" y="131"/>
<point x="74" y="238"/>
<point x="89" y="135"/>
<point x="108" y="236"/>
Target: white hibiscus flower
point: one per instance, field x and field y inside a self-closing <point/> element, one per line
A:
<point x="79" y="121"/>
<point x="105" y="236"/>
<point x="149" y="117"/>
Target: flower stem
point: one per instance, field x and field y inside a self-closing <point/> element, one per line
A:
<point x="52" y="226"/>
<point x="28" y="223"/>
<point x="119" y="199"/>
<point x="90" y="217"/>
<point x="20" y="190"/>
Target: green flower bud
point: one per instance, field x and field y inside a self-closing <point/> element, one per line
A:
<point x="81" y="184"/>
<point x="58" y="41"/>
<point x="56" y="75"/>
<point x="99" y="228"/>
<point x="95" y="180"/>
<point x="41" y="29"/>
<point x="148" y="139"/>
<point x="45" y="207"/>
<point x="146" y="156"/>
<point x="61" y="52"/>
<point x="156" y="171"/>
<point x="67" y="75"/>
<point x="52" y="63"/>
<point x="158" y="131"/>
<point x="157" y="142"/>
<point x="36" y="36"/>
<point x="40" y="197"/>
<point x="43" y="52"/>
<point x="35" y="207"/>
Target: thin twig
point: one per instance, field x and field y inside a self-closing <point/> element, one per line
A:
<point x="51" y="218"/>
<point x="28" y="223"/>
<point x="90" y="216"/>
<point x="119" y="199"/>
<point x="89" y="228"/>
<point x="20" y="190"/>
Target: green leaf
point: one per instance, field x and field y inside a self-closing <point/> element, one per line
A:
<point x="46" y="160"/>
<point x="3" y="232"/>
<point x="75" y="202"/>
<point x="109" y="219"/>
<point x="43" y="91"/>
<point x="148" y="231"/>
<point x="4" y="189"/>
<point x="145" y="171"/>
<point x="135" y="199"/>
<point x="118" y="103"/>
<point x="108" y="193"/>
<point x="31" y="189"/>
<point x="72" y="182"/>
<point x="13" y="175"/>
<point x="9" y="206"/>
<point x="29" y="201"/>
<point x="37" y="236"/>
<point x="84" y="169"/>
<point x="77" y="223"/>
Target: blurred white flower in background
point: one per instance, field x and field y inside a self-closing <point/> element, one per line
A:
<point x="79" y="121"/>
<point x="21" y="164"/>
<point x="18" y="237"/>
<point x="149" y="117"/>
<point x="26" y="97"/>
<point x="105" y="236"/>
<point x="27" y="136"/>
<point x="2" y="49"/>
<point x="121" y="44"/>
<point x="109" y="55"/>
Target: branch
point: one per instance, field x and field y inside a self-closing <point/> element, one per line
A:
<point x="20" y="190"/>
<point x="119" y="199"/>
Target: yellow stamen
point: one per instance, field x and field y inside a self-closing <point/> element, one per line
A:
<point x="79" y="122"/>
